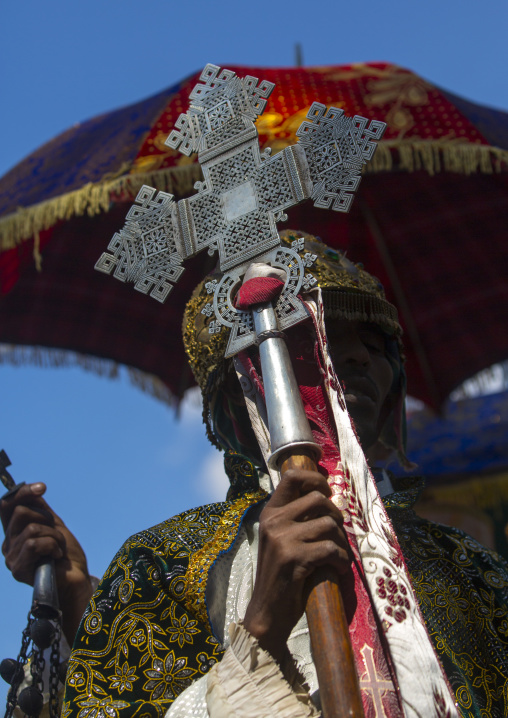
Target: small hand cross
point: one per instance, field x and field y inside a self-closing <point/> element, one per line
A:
<point x="5" y="476"/>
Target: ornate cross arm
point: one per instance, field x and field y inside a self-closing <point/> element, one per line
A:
<point x="243" y="196"/>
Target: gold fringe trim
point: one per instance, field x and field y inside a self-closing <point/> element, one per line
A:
<point x="433" y="156"/>
<point x="47" y="358"/>
<point x="201" y="562"/>
<point x="37" y="251"/>
<point x="360" y="306"/>
<point x="407" y="155"/>
<point x="91" y="200"/>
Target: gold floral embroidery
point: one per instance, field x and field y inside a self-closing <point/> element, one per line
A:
<point x="149" y="649"/>
<point x="100" y="707"/>
<point x="278" y="132"/>
<point x="399" y="86"/>
<point x="201" y="562"/>
<point x="461" y="589"/>
<point x="402" y="90"/>
<point x="180" y="630"/>
<point x="123" y="678"/>
<point x="169" y="678"/>
<point x="467" y="620"/>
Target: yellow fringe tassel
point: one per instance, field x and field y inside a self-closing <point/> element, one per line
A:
<point x="92" y="199"/>
<point x="37" y="251"/>
<point x="410" y="156"/>
<point x="433" y="157"/>
<point x="45" y="357"/>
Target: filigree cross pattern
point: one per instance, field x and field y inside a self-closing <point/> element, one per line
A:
<point x="242" y="197"/>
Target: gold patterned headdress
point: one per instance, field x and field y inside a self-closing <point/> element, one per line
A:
<point x="349" y="292"/>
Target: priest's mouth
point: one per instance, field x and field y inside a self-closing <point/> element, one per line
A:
<point x="360" y="389"/>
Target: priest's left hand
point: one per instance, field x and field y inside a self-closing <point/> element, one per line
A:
<point x="32" y="531"/>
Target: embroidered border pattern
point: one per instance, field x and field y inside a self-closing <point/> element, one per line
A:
<point x="202" y="561"/>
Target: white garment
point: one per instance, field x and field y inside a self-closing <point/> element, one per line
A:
<point x="248" y="682"/>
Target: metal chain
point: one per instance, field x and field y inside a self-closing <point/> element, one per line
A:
<point x="12" y="695"/>
<point x="37" y="664"/>
<point x="54" y="663"/>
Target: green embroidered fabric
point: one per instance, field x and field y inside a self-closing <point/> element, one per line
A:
<point x="462" y="589"/>
<point x="145" y="635"/>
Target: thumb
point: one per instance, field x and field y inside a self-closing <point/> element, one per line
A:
<point x="39" y="488"/>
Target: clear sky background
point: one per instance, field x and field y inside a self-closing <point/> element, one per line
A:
<point x="114" y="459"/>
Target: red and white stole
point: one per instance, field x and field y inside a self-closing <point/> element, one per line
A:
<point x="399" y="671"/>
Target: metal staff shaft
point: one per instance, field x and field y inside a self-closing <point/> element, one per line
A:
<point x="288" y="425"/>
<point x="293" y="446"/>
<point x="45" y="596"/>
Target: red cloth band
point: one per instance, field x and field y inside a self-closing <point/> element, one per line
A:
<point x="257" y="291"/>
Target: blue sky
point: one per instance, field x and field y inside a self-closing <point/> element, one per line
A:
<point x="116" y="460"/>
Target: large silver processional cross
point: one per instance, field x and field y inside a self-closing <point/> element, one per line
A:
<point x="235" y="211"/>
<point x="243" y="196"/>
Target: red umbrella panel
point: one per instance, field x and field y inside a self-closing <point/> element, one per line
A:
<point x="430" y="219"/>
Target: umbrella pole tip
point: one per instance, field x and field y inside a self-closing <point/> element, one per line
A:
<point x="298" y="55"/>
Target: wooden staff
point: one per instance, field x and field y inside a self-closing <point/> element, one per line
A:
<point x="293" y="446"/>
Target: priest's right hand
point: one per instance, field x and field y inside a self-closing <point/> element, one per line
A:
<point x="299" y="530"/>
<point x="33" y="531"/>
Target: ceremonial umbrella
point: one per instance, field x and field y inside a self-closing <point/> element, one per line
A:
<point x="463" y="455"/>
<point x="429" y="219"/>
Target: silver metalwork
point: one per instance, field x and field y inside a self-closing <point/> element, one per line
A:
<point x="288" y="308"/>
<point x="243" y="196"/>
<point x="269" y="334"/>
<point x="289" y="427"/>
<point x="234" y="212"/>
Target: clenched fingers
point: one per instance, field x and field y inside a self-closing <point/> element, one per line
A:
<point x="293" y="544"/>
<point x="22" y="516"/>
<point x="304" y="508"/>
<point x="25" y="550"/>
<point x="296" y="483"/>
<point x="30" y="496"/>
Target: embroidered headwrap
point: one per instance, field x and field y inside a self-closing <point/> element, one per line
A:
<point x="349" y="292"/>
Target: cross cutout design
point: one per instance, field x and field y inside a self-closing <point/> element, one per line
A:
<point x="372" y="682"/>
<point x="244" y="193"/>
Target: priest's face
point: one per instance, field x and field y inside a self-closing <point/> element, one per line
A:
<point x="358" y="352"/>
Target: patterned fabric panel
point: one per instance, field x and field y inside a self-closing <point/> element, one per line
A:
<point x="138" y="647"/>
<point x="145" y="635"/>
<point x="462" y="590"/>
<point x="412" y="107"/>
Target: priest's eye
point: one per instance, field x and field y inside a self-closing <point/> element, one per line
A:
<point x="374" y="342"/>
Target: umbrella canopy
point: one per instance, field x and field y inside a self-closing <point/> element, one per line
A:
<point x="463" y="455"/>
<point x="467" y="439"/>
<point x="430" y="220"/>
